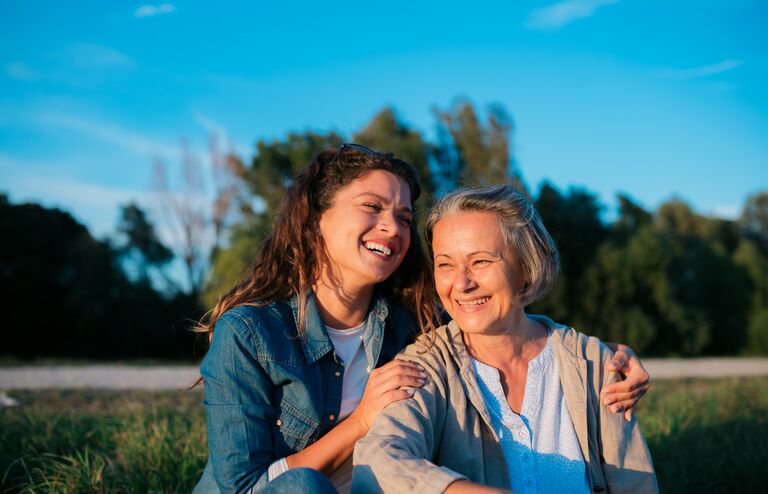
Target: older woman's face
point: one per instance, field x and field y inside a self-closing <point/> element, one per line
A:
<point x="476" y="275"/>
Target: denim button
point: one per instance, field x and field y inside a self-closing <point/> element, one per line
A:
<point x="279" y="422"/>
<point x="331" y="417"/>
<point x="337" y="373"/>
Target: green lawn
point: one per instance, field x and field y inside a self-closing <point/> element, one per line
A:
<point x="102" y="441"/>
<point x="705" y="436"/>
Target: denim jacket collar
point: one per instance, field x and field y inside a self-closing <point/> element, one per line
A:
<point x="315" y="341"/>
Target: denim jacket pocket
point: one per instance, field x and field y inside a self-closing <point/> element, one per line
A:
<point x="294" y="428"/>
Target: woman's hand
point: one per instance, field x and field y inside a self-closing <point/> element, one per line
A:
<point x="391" y="382"/>
<point x="624" y="395"/>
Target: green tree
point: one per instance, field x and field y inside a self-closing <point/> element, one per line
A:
<point x="574" y="222"/>
<point x="266" y="179"/>
<point x="625" y="293"/>
<point x="754" y="219"/>
<point x="471" y="152"/>
<point x="64" y="293"/>
<point x="388" y="133"/>
<point x="196" y="207"/>
<point x="631" y="218"/>
<point x="669" y="286"/>
<point x="140" y="243"/>
<point x="750" y="257"/>
<point x="706" y="280"/>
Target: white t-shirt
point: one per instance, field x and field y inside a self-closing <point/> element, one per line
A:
<point x="348" y="345"/>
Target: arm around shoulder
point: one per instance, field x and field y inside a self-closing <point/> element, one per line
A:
<point x="627" y="463"/>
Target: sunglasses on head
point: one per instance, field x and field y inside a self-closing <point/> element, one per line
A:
<point x="355" y="147"/>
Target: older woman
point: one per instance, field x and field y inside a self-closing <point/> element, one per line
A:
<point x="512" y="400"/>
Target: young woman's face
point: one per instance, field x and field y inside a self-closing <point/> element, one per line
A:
<point x="477" y="277"/>
<point x="367" y="229"/>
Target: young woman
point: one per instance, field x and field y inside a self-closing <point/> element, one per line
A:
<point x="302" y="355"/>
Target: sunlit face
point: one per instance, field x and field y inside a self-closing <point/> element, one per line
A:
<point x="476" y="276"/>
<point x="367" y="229"/>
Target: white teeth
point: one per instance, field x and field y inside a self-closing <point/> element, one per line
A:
<point x="381" y="249"/>
<point x="477" y="301"/>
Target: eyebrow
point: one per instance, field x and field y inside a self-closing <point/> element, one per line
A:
<point x="471" y="254"/>
<point x="384" y="200"/>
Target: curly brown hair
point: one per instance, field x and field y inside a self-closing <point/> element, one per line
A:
<point x="292" y="253"/>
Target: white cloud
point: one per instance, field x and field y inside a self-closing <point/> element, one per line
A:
<point x="21" y="71"/>
<point x="88" y="55"/>
<point x="562" y="13"/>
<point x="93" y="204"/>
<point x="701" y="71"/>
<point x="75" y="193"/>
<point x="77" y="64"/>
<point x="113" y="134"/>
<point x="153" y="10"/>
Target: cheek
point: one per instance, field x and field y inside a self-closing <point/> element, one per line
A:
<point x="442" y="285"/>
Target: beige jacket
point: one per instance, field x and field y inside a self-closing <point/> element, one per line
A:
<point x="444" y="433"/>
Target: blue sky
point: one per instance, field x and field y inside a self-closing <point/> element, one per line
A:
<point x="655" y="99"/>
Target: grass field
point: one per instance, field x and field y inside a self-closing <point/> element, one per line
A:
<point x="705" y="436"/>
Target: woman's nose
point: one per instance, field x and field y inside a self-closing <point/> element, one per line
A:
<point x="388" y="224"/>
<point x="464" y="280"/>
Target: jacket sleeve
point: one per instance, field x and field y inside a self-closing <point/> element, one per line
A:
<point x="395" y="455"/>
<point x="237" y="403"/>
<point x="626" y="461"/>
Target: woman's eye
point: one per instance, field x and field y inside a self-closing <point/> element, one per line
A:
<point x="407" y="220"/>
<point x="372" y="206"/>
<point x="481" y="262"/>
<point x="443" y="265"/>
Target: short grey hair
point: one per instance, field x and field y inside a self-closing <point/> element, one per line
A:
<point x="521" y="226"/>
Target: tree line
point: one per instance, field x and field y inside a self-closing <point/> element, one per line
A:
<point x="667" y="282"/>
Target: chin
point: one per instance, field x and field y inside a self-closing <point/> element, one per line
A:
<point x="376" y="278"/>
<point x="472" y="328"/>
<point x="475" y="325"/>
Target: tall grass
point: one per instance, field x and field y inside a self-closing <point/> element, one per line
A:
<point x="103" y="442"/>
<point x="705" y="436"/>
<point x="709" y="436"/>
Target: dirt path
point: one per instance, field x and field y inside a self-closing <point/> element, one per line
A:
<point x="98" y="377"/>
<point x="171" y="377"/>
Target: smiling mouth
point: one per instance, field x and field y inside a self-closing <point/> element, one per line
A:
<point x="379" y="249"/>
<point x="470" y="303"/>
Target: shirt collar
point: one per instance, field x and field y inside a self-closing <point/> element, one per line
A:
<point x="315" y="341"/>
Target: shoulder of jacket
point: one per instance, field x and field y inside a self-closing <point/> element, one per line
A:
<point x="579" y="344"/>
<point x="257" y="320"/>
<point x="433" y="348"/>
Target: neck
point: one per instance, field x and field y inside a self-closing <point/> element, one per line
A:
<point x="522" y="340"/>
<point x="340" y="307"/>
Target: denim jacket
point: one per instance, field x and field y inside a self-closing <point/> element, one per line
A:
<point x="270" y="392"/>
